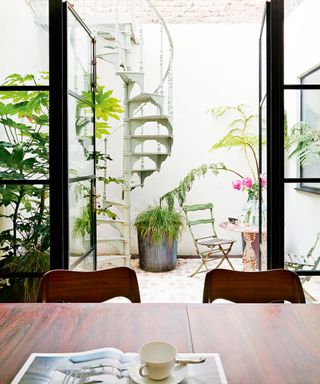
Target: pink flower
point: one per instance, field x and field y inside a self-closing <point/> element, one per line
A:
<point x="247" y="182"/>
<point x="263" y="182"/>
<point x="236" y="184"/>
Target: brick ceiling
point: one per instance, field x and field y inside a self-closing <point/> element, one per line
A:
<point x="185" y="11"/>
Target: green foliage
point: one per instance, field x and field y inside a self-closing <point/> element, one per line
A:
<point x="158" y="223"/>
<point x="106" y="107"/>
<point x="83" y="224"/>
<point x="304" y="143"/>
<point x="180" y="192"/>
<point x="242" y="131"/>
<point x="24" y="155"/>
<point x="32" y="260"/>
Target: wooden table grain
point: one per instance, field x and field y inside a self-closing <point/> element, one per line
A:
<point x="276" y="343"/>
<point x="266" y="343"/>
<point x="28" y="328"/>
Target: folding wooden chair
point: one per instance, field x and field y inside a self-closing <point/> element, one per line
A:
<point x="88" y="287"/>
<point x="275" y="285"/>
<point x="306" y="262"/>
<point x="214" y="246"/>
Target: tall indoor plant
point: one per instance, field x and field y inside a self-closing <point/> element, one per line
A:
<point x="24" y="155"/>
<point x="158" y="230"/>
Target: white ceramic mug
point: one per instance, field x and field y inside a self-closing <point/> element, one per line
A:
<point x="158" y="359"/>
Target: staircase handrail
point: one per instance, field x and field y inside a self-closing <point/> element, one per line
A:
<point x="167" y="72"/>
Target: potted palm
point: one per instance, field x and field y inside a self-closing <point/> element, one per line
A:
<point x="158" y="230"/>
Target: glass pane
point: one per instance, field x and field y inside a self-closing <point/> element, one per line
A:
<point x="24" y="228"/>
<point x="19" y="290"/>
<point x="87" y="264"/>
<point x="24" y="40"/>
<point x="79" y="57"/>
<point x="301" y="52"/>
<point x="81" y="139"/>
<point x="311" y="288"/>
<point x="24" y="135"/>
<point x="263" y="180"/>
<point x="263" y="59"/>
<point x="80" y="219"/>
<point x="302" y="235"/>
<point x="302" y="152"/>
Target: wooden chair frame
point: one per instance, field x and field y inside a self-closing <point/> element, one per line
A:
<point x="95" y="286"/>
<point x="217" y="247"/>
<point x="270" y="286"/>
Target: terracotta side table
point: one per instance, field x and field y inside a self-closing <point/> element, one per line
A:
<point x="249" y="236"/>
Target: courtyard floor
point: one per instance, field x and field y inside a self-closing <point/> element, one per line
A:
<point x="177" y="286"/>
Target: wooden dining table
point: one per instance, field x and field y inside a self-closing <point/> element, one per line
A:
<point x="257" y="343"/>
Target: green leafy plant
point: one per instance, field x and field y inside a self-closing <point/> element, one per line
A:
<point x="159" y="223"/>
<point x="24" y="155"/>
<point x="303" y="143"/>
<point x="180" y="192"/>
<point x="242" y="132"/>
<point x="106" y="106"/>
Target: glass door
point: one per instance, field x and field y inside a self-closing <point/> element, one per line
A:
<point x="80" y="158"/>
<point x="293" y="156"/>
<point x="263" y="73"/>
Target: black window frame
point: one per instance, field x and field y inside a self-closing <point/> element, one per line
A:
<point x="275" y="146"/>
<point x="58" y="181"/>
<point x="300" y="186"/>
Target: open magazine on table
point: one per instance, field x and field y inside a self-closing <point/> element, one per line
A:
<point x="106" y="365"/>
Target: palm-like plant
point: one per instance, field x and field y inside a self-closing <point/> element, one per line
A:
<point x="304" y="143"/>
<point x="241" y="132"/>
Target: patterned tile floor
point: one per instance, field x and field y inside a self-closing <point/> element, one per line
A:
<point x="177" y="286"/>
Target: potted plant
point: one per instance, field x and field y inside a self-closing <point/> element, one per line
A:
<point x="158" y="230"/>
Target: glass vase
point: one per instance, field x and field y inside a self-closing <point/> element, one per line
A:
<point x="250" y="213"/>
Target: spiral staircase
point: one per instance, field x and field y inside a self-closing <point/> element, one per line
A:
<point x="147" y="137"/>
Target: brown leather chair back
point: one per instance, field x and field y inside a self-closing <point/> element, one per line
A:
<point x="89" y="287"/>
<point x="274" y="285"/>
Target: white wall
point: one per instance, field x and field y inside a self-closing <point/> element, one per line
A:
<point x="24" y="47"/>
<point x="213" y="65"/>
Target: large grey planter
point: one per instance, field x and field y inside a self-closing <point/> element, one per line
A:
<point x="157" y="258"/>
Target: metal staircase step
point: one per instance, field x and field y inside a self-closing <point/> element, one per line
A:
<point x="106" y="26"/>
<point x="138" y="121"/>
<point x="132" y="77"/>
<point x="111" y="57"/>
<point x="145" y="98"/>
<point x="151" y="137"/>
<point x="112" y="239"/>
<point x="108" y="261"/>
<point x="143" y="174"/>
<point x="145" y="170"/>
<point x="147" y="154"/>
<point x="117" y="203"/>
<point x="108" y="220"/>
<point x="155" y="118"/>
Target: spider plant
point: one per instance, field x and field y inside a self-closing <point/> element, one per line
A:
<point x="158" y="224"/>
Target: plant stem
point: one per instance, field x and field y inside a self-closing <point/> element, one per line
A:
<point x="14" y="219"/>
